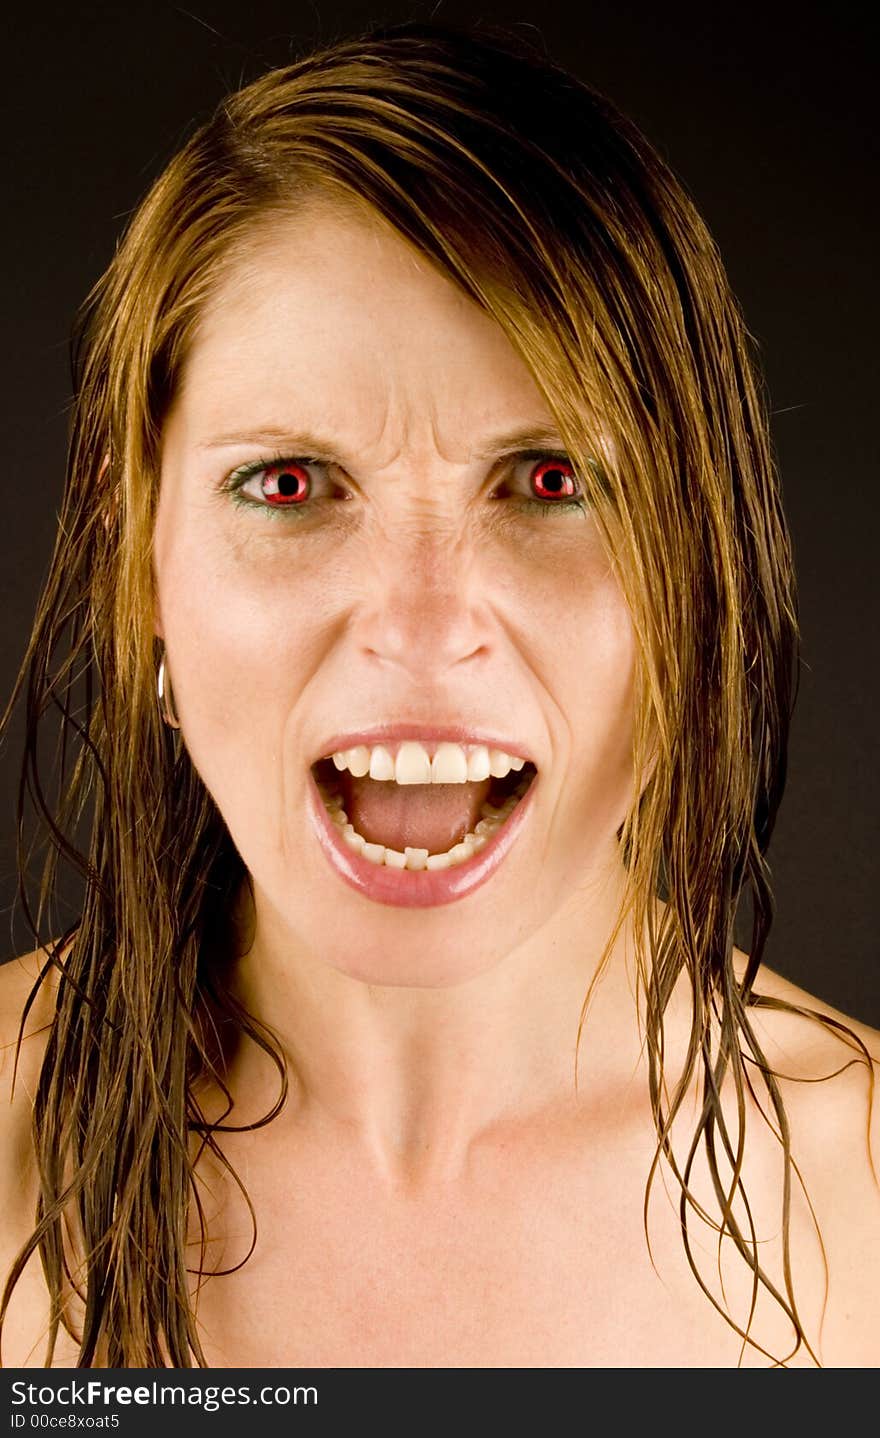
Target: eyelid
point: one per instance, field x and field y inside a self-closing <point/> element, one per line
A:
<point x="269" y="461"/>
<point x="535" y="455"/>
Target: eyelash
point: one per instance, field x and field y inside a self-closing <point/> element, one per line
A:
<point x="239" y="477"/>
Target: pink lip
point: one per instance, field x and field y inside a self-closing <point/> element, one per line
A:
<point x="450" y="733"/>
<point x="418" y="888"/>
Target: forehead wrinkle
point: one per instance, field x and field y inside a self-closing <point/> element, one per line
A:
<point x="416" y="422"/>
<point x="410" y="434"/>
<point x="438" y="443"/>
<point x="391" y="429"/>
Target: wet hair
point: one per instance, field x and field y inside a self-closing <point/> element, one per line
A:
<point x="529" y="190"/>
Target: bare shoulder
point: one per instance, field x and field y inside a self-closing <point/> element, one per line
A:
<point x="23" y="1039"/>
<point x="826" y="1066"/>
<point x="20" y="1062"/>
<point x="18" y="978"/>
<point x="807" y="1040"/>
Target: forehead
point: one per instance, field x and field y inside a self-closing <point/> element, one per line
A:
<point x="329" y="314"/>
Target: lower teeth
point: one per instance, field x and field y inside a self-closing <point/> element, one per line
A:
<point x="491" y="819"/>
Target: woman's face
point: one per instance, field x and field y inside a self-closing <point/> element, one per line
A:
<point x="392" y="572"/>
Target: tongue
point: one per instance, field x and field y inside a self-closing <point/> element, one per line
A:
<point x="422" y="816"/>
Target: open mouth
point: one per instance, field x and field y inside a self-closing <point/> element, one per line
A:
<point x="386" y="813"/>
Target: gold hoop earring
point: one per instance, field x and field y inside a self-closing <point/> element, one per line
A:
<point x="166" y="698"/>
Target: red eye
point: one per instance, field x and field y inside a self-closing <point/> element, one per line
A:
<point x="554" y="479"/>
<point x="288" y="483"/>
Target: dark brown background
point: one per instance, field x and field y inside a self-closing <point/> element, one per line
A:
<point x="768" y="113"/>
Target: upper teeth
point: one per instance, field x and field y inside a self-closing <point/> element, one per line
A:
<point x="412" y="764"/>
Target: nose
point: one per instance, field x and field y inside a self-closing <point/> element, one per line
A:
<point x="425" y="610"/>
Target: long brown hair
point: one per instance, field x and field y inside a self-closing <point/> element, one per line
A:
<point x="551" y="211"/>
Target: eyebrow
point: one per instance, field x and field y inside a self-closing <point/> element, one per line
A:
<point x="303" y="442"/>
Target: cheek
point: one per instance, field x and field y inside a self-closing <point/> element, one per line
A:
<point x="607" y="665"/>
<point x="576" y="637"/>
<point x="580" y="635"/>
<point x="595" y="690"/>
<point x="245" y="633"/>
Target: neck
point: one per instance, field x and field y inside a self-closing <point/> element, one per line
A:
<point x="414" y="1076"/>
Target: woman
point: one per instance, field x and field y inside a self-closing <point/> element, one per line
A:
<point x="423" y="561"/>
